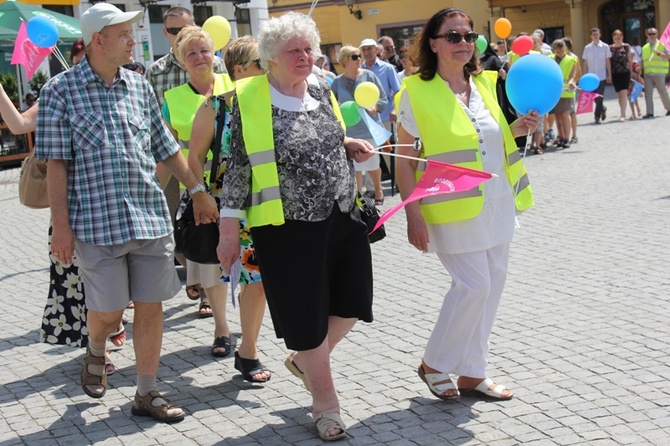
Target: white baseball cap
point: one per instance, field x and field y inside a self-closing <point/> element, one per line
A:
<point x="367" y="42"/>
<point x="104" y="14"/>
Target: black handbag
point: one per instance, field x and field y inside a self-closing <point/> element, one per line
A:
<point x="198" y="243"/>
<point x="370" y="215"/>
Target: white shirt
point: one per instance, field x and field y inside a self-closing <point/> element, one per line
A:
<point x="636" y="51"/>
<point x="596" y="56"/>
<point x="495" y="223"/>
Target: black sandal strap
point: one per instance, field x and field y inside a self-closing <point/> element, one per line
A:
<point x="250" y="367"/>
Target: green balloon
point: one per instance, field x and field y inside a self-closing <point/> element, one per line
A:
<point x="481" y="44"/>
<point x="350" y="113"/>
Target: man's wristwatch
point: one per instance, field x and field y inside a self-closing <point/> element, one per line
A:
<point x="198" y="188"/>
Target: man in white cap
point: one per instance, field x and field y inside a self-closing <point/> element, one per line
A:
<point x="100" y="128"/>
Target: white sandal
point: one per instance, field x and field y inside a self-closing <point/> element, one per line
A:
<point x="438" y="389"/>
<point x="495" y="393"/>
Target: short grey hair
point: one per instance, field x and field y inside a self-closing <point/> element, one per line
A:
<point x="278" y="30"/>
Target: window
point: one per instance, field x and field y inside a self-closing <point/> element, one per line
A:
<point x="401" y="35"/>
<point x="156" y="13"/>
<point x="201" y="13"/>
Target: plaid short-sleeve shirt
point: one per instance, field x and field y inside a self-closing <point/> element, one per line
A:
<point x="167" y="73"/>
<point x="112" y="137"/>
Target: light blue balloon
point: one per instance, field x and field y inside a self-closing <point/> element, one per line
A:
<point x="42" y="32"/>
<point x="535" y="82"/>
<point x="589" y="82"/>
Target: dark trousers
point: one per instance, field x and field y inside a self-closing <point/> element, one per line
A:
<point x="599" y="100"/>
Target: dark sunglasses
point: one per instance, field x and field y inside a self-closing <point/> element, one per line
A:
<point x="355" y="56"/>
<point x="651" y="34"/>
<point x="174" y="31"/>
<point x="456" y="37"/>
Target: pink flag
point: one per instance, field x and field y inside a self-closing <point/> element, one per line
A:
<point x="27" y="53"/>
<point x="585" y="104"/>
<point x="439" y="178"/>
<point x="665" y="37"/>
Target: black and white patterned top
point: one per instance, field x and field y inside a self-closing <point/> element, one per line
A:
<point x="313" y="168"/>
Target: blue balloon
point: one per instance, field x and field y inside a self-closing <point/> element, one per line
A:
<point x="535" y="82"/>
<point x="42" y="32"/>
<point x="589" y="82"/>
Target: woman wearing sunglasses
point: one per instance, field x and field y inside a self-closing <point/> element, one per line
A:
<point x="450" y="105"/>
<point x="343" y="88"/>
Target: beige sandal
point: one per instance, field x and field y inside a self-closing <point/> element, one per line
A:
<point x="327" y="421"/>
<point x="290" y="365"/>
<point x="89" y="379"/>
<point x="144" y="408"/>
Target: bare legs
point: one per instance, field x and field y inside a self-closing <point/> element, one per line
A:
<point x="252" y="309"/>
<point x="315" y="364"/>
<point x="623" y="98"/>
<point x="376" y="177"/>
<point x="217" y="299"/>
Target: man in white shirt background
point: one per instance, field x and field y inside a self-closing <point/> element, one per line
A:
<point x="597" y="57"/>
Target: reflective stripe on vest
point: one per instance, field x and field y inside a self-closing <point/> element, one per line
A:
<point x="253" y="98"/>
<point x="651" y="62"/>
<point x="448" y="135"/>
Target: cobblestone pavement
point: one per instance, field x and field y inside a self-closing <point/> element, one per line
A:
<point x="582" y="335"/>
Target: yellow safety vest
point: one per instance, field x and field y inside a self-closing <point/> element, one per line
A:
<point x="651" y="62"/>
<point x="449" y="136"/>
<point x="566" y="65"/>
<point x="183" y="104"/>
<point x="253" y="98"/>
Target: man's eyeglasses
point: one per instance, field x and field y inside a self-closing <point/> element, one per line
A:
<point x="456" y="37"/>
<point x="174" y="31"/>
<point x="355" y="56"/>
<point x="389" y="48"/>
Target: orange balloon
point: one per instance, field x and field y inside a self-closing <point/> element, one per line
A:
<point x="503" y="28"/>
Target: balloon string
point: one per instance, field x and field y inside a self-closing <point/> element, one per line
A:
<point x="60" y="57"/>
<point x="523" y="159"/>
<point x="311" y="9"/>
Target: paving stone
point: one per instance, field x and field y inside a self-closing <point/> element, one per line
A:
<point x="581" y="336"/>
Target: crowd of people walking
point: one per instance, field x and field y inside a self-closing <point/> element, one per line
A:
<point x="281" y="185"/>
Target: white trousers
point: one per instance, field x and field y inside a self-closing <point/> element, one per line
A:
<point x="459" y="343"/>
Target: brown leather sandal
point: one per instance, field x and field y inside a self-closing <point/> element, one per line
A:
<point x="89" y="379"/>
<point x="144" y="408"/>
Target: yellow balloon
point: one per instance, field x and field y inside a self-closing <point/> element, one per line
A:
<point x="219" y="28"/>
<point x="366" y="94"/>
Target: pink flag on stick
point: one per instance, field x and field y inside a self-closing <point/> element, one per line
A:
<point x="585" y="104"/>
<point x="665" y="37"/>
<point x="439" y="178"/>
<point x="27" y="53"/>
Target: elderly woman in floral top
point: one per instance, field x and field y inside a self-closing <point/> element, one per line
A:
<point x="290" y="173"/>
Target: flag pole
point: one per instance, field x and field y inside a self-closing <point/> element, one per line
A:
<point x="397" y="155"/>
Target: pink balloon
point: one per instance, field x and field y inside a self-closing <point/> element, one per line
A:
<point x="522" y="45"/>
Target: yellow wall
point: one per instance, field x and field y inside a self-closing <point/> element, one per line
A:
<point x="337" y="25"/>
<point x="539" y="16"/>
